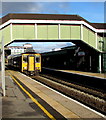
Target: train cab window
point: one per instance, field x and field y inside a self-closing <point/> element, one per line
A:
<point x="25" y="58"/>
<point x="37" y="59"/>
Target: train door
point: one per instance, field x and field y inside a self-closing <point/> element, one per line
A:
<point x="31" y="63"/>
<point x="38" y="63"/>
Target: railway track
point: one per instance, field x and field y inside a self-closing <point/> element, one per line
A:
<point x="91" y="97"/>
<point x="92" y="91"/>
<point x="94" y="99"/>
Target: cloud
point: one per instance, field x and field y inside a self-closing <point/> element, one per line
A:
<point x="21" y="7"/>
<point x="64" y="5"/>
<point x="35" y="7"/>
<point x="57" y="8"/>
<point x="44" y="46"/>
<point x="48" y="46"/>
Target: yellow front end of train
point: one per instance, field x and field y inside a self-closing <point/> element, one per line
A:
<point x="31" y="63"/>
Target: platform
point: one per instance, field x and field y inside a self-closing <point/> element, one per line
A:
<point x="17" y="104"/>
<point x="89" y="74"/>
<point x="98" y="75"/>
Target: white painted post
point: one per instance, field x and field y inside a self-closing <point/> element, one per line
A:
<point x="96" y="40"/>
<point x="100" y="65"/>
<point x="36" y="31"/>
<point x="81" y="32"/>
<point x="3" y="66"/>
<point x="59" y="37"/>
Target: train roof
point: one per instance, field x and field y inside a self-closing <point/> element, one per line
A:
<point x="29" y="53"/>
<point x="13" y="56"/>
<point x="18" y="55"/>
<point x="60" y="52"/>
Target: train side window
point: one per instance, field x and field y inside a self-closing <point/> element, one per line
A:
<point x="37" y="59"/>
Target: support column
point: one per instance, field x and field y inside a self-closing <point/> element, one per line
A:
<point x="3" y="66"/>
<point x="81" y="32"/>
<point x="59" y="37"/>
<point x="36" y="31"/>
<point x="96" y="40"/>
<point x="100" y="61"/>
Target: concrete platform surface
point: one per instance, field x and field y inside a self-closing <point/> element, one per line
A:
<point x="16" y="105"/>
<point x="63" y="105"/>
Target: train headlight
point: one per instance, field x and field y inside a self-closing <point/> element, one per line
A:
<point x="37" y="68"/>
<point x="25" y="68"/>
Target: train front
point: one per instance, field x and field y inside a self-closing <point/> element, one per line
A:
<point x="31" y="63"/>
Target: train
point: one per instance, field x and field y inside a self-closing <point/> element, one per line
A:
<point x="28" y="63"/>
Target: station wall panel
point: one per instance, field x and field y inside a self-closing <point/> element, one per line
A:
<point x="92" y="39"/>
<point x="99" y="44"/>
<point x="89" y="37"/>
<point x="65" y="31"/>
<point x="29" y="32"/>
<point x="52" y="31"/>
<point x="42" y="31"/>
<point x="85" y="35"/>
<point x="23" y="32"/>
<point x="70" y="32"/>
<point x="75" y="32"/>
<point x="105" y="44"/>
<point x="17" y="31"/>
<point x="6" y="34"/>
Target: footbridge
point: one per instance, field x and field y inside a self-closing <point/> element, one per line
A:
<point x="57" y="27"/>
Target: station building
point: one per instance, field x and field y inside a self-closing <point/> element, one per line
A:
<point x="91" y="37"/>
<point x="18" y="49"/>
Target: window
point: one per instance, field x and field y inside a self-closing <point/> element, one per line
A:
<point x="37" y="59"/>
<point x="25" y="58"/>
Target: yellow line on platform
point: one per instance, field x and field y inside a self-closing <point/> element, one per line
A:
<point x="33" y="99"/>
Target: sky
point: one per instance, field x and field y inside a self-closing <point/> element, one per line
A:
<point x="91" y="11"/>
<point x="41" y="47"/>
